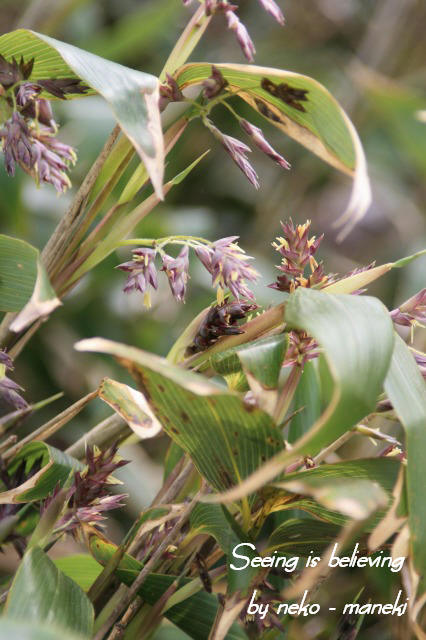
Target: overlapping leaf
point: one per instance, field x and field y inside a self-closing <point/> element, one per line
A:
<point x="194" y="615"/>
<point x="60" y="602"/>
<point x="407" y="392"/>
<point x="53" y="466"/>
<point x="356" y="336"/>
<point x="226" y="438"/>
<point x="24" y="285"/>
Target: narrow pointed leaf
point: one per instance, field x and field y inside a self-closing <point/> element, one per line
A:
<point x="23" y="282"/>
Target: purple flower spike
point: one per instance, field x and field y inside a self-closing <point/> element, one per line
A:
<point x="244" y="40"/>
<point x="273" y="9"/>
<point x="258" y="138"/>
<point x="177" y="272"/>
<point x="229" y="267"/>
<point x="142" y="273"/>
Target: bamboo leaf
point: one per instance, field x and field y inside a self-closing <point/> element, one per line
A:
<point x="356" y="335"/>
<point x="53" y="468"/>
<point x="407" y="392"/>
<point x="319" y="123"/>
<point x="82" y="568"/>
<point x="194" y="616"/>
<point x="301" y="537"/>
<point x="132" y="95"/>
<point x="226" y="438"/>
<point x="42" y="302"/>
<point x="60" y="603"/>
<point x="131" y="406"/>
<point x="17" y="630"/>
<point x="24" y="284"/>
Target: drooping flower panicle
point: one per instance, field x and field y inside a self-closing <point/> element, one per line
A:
<point x="90" y="493"/>
<point x="176" y="270"/>
<point x="259" y="140"/>
<point x="142" y="273"/>
<point x="238" y="152"/>
<point x="241" y="33"/>
<point x="229" y="267"/>
<point x="28" y="136"/>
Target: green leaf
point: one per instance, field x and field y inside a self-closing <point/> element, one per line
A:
<point x="16" y="630"/>
<point x="407" y="392"/>
<point x="323" y="127"/>
<point x="356" y="335"/>
<point x="226" y="438"/>
<point x="131" y="406"/>
<point x="307" y="402"/>
<point x="60" y="602"/>
<point x="262" y="360"/>
<point x="24" y="284"/>
<point x="80" y="567"/>
<point x="301" y="537"/>
<point x="194" y="616"/>
<point x="55" y="469"/>
<point x="217" y="522"/>
<point x="132" y="95"/>
<point x="355" y="498"/>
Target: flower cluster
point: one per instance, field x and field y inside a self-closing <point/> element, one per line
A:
<point x="89" y="495"/>
<point x="224" y="260"/>
<point x="9" y="390"/>
<point x="229" y="267"/>
<point x="142" y="273"/>
<point x="221" y="320"/>
<point x="28" y="136"/>
<point x="297" y="251"/>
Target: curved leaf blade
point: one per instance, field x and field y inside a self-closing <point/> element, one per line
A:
<point x="54" y="468"/>
<point x="24" y="285"/>
<point x="60" y="603"/>
<point x="407" y="392"/>
<point x="319" y="124"/>
<point x="226" y="438"/>
<point x="356" y="335"/>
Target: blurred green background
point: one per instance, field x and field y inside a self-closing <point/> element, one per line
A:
<point x="370" y="55"/>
